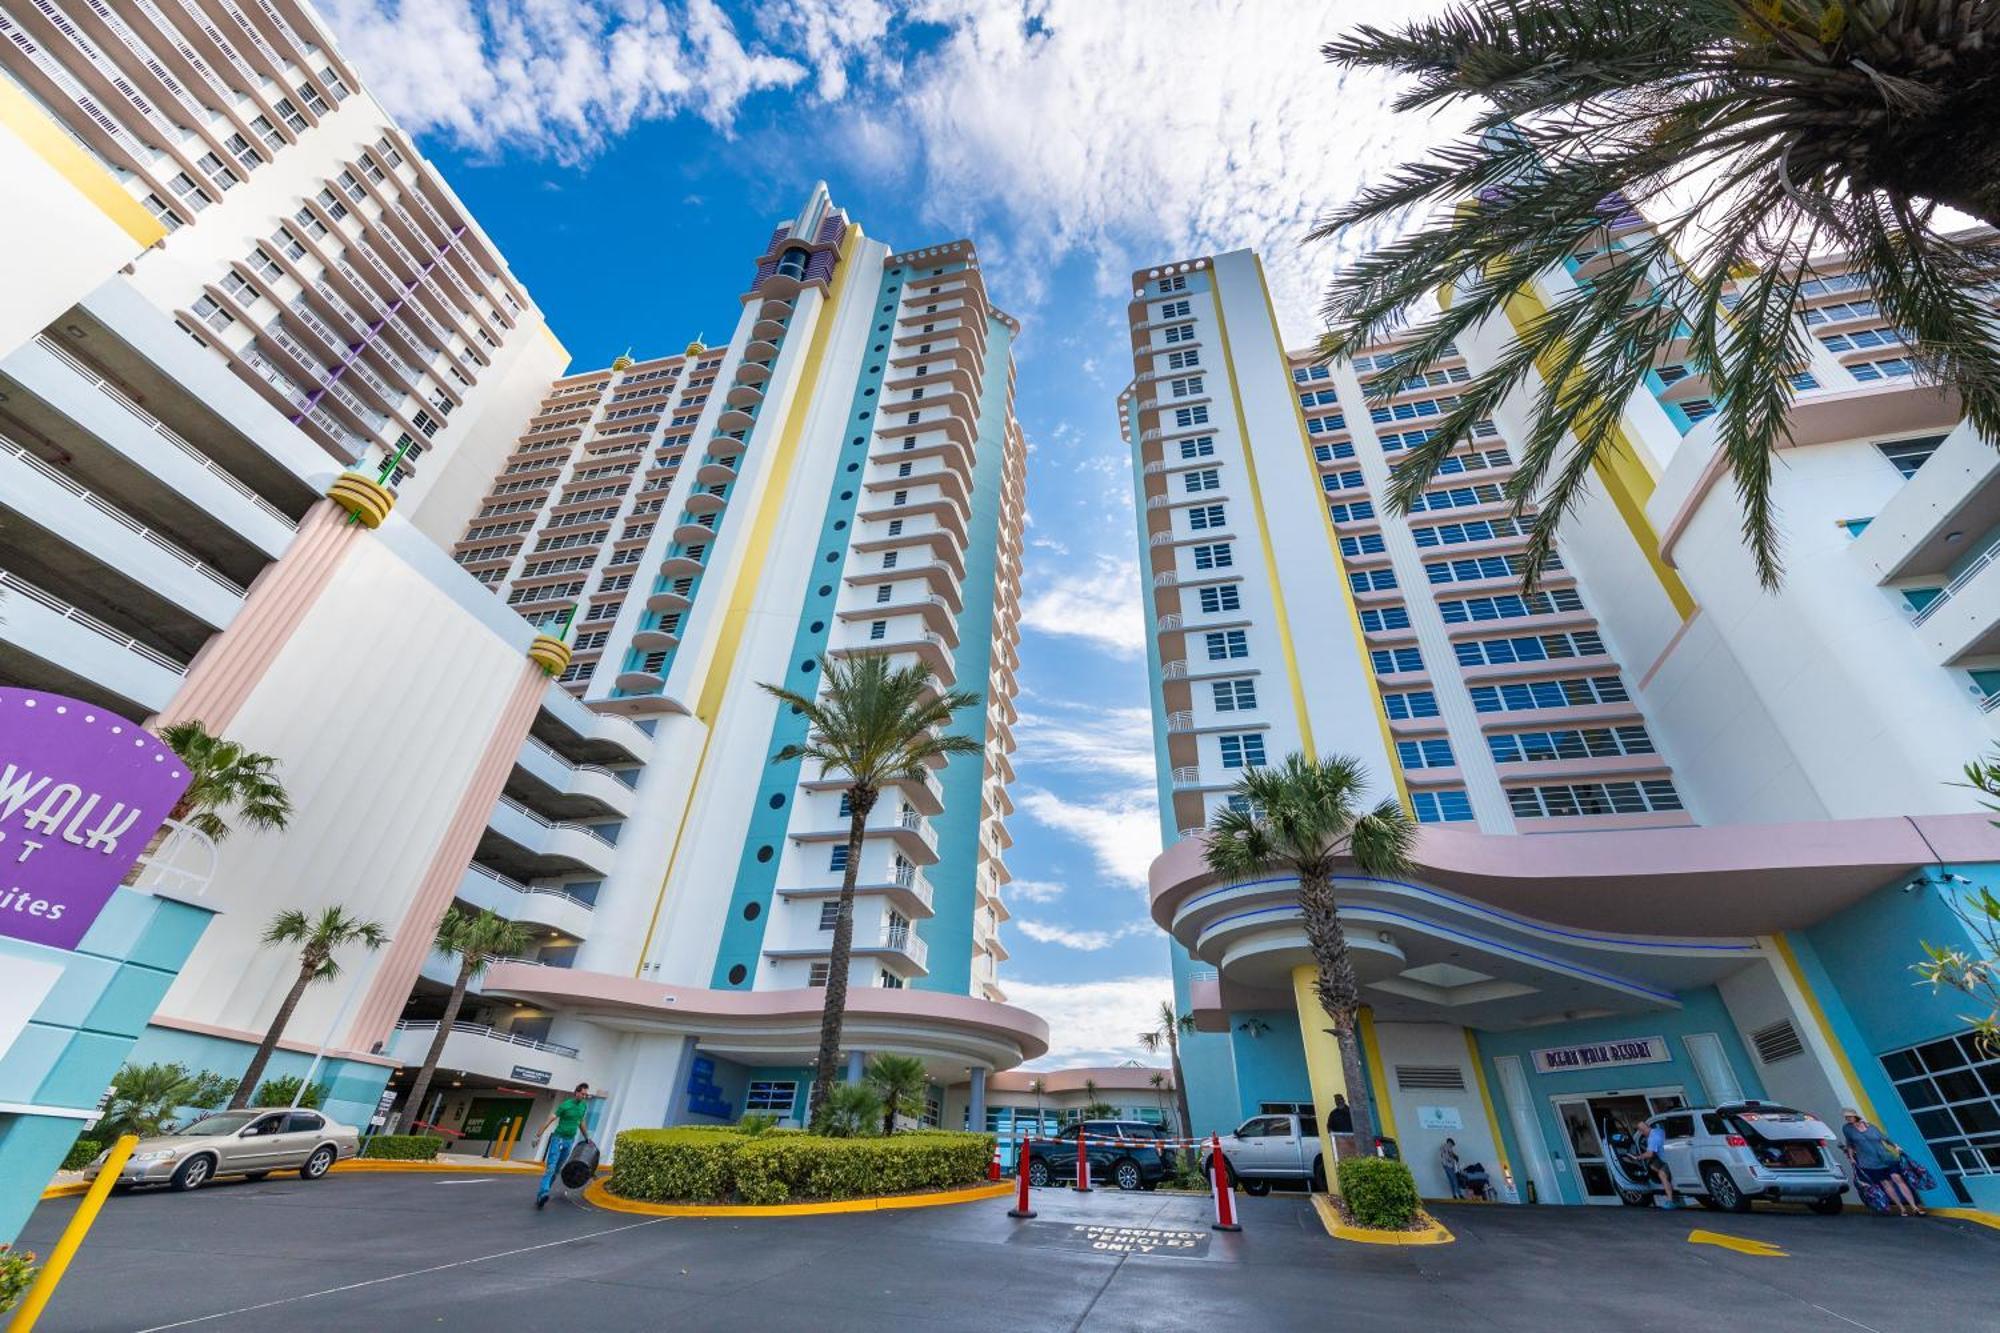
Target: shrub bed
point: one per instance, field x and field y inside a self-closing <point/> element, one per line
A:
<point x="80" y="1154"/>
<point x="1380" y="1193"/>
<point x="403" y="1147"/>
<point x="702" y="1165"/>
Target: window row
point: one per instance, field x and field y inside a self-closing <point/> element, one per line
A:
<point x="1530" y="747"/>
<point x="1570" y="692"/>
<point x="1576" y="799"/>
<point x="1529" y="648"/>
<point x="1508" y="606"/>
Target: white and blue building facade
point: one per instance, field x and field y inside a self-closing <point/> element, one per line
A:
<point x="1683" y="839"/>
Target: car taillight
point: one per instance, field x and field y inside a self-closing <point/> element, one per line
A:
<point x="1737" y="1141"/>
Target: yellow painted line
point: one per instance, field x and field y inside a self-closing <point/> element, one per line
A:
<point x="52" y="143"/>
<point x="1486" y="1100"/>
<point x="1762" y="1249"/>
<point x="1433" y="1233"/>
<point x="1818" y="1014"/>
<point x="1378" y="1078"/>
<point x="1339" y="562"/>
<point x="604" y="1198"/>
<point x="742" y="595"/>
<point x="1264" y="524"/>
<point x="1977" y="1216"/>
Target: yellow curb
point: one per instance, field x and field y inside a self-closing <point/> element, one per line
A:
<point x="1329" y="1216"/>
<point x="604" y="1198"/>
<point x="69" y="1190"/>
<point x="1979" y="1216"/>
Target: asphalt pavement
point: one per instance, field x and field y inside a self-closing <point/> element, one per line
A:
<point x="470" y="1252"/>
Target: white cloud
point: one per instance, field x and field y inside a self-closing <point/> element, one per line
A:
<point x="1033" y="890"/>
<point x="1087" y="941"/>
<point x="1074" y="738"/>
<point x="1093" y="1022"/>
<point x="1099" y="604"/>
<point x="1122" y="831"/>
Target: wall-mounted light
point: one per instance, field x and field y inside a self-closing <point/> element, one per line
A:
<point x="1256" y="1027"/>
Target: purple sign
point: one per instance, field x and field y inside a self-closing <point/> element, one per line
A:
<point x="81" y="791"/>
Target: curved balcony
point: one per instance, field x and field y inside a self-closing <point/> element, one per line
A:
<point x="938" y="615"/>
<point x="714" y="472"/>
<point x="655" y="640"/>
<point x="679" y="564"/>
<point x="556" y="839"/>
<point x="591" y="782"/>
<point x="477" y="1049"/>
<point x="733" y="419"/>
<point x="669" y="600"/>
<point x="743" y="395"/>
<point x="774" y="308"/>
<point x="906" y="890"/>
<point x="705" y="502"/>
<point x="930" y="649"/>
<point x="641" y="681"/>
<point x="753" y="372"/>
<point x="913" y="837"/>
<point x="535" y="905"/>
<point x="762" y="347"/>
<point x="766" y="332"/>
<point x="923" y="793"/>
<point x="688" y="532"/>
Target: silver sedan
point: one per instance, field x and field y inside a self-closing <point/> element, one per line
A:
<point x="237" y="1143"/>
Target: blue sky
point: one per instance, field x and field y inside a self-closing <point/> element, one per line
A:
<point x="630" y="157"/>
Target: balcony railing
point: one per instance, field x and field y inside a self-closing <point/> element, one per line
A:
<point x="546" y="822"/>
<point x="574" y="767"/>
<point x="490" y="1033"/>
<point x="1187" y="775"/>
<point x="1168" y="623"/>
<point x="1175" y="669"/>
<point x="1989" y="703"/>
<point x="1181" y="719"/>
<point x="906" y="940"/>
<point x="160" y="428"/>
<point x="1952" y="589"/>
<point x="15" y="583"/>
<point x="118" y="516"/>
<point x="509" y="882"/>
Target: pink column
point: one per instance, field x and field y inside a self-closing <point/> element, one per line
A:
<point x="397" y="971"/>
<point x="229" y="665"/>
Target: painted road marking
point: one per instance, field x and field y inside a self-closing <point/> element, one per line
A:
<point x="1181" y="1243"/>
<point x="1741" y="1244"/>
<point x="397" y="1277"/>
<point x="461" y="1182"/>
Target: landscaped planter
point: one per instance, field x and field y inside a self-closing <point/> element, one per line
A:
<point x="726" y="1166"/>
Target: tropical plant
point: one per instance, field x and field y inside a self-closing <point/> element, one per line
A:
<point x="318" y="938"/>
<point x="1955" y="967"/>
<point x="850" y="1110"/>
<point x="281" y="1090"/>
<point x="17" y="1274"/>
<point x="1757" y="137"/>
<point x="1158" y="1080"/>
<point x="899" y="1081"/>
<point x="755" y="1124"/>
<point x="1165" y="1034"/>
<point x="872" y="724"/>
<point x="474" y="939"/>
<point x="145" y="1098"/>
<point x="1038" y="1085"/>
<point x="229" y="783"/>
<point x="1094" y="1106"/>
<point x="1302" y="818"/>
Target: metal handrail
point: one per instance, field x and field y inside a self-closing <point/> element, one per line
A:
<point x="546" y="822"/>
<point x="1952" y="589"/>
<point x="161" y="428"/>
<point x="89" y="622"/>
<point x="119" y="516"/>
<point x="507" y="881"/>
<point x="571" y="764"/>
<point x="490" y="1033"/>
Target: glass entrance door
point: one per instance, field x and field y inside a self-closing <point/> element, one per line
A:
<point x="1595" y="1126"/>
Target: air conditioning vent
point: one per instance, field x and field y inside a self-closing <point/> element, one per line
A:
<point x="1780" y="1041"/>
<point x="1430" y="1076"/>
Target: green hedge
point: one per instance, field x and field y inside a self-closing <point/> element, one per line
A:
<point x="80" y="1154"/>
<point x="1379" y="1193"/>
<point x="724" y="1166"/>
<point x="403" y="1147"/>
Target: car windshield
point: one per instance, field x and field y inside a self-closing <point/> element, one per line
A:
<point x="226" y="1123"/>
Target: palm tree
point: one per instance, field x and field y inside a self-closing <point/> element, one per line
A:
<point x="874" y="724"/>
<point x="1166" y="1032"/>
<point x="899" y="1081"/>
<point x="146" y="1097"/>
<point x="1302" y="818"/>
<point x="1038" y="1085"/>
<point x="228" y="780"/>
<point x="1159" y="1082"/>
<point x="475" y="939"/>
<point x="1756" y="135"/>
<point x="318" y="938"/>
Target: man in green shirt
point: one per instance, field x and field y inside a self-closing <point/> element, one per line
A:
<point x="568" y="1121"/>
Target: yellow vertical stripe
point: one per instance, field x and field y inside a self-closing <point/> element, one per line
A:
<point x="1263" y="524"/>
<point x="1345" y="590"/>
<point x="749" y="572"/>
<point x="1486" y="1100"/>
<point x="1818" y="1016"/>
<point x="49" y="141"/>
<point x="1378" y="1078"/>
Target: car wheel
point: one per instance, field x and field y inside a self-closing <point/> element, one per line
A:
<point x="1722" y="1188"/>
<point x="193" y="1173"/>
<point x="318" y="1164"/>
<point x="1826" y="1205"/>
<point x="1126" y="1175"/>
<point x="1319" y="1174"/>
<point x="1259" y="1188"/>
<point x="1038" y="1173"/>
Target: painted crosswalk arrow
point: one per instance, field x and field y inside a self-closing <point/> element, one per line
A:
<point x="1741" y="1244"/>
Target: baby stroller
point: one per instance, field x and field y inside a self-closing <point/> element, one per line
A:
<point x="1473" y="1180"/>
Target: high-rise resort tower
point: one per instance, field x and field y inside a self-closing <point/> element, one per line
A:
<point x="286" y="450"/>
<point x="1682" y="838"/>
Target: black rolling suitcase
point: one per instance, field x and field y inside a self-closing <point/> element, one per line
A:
<point x="581" y="1165"/>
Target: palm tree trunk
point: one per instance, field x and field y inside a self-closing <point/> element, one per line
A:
<point x="1180" y="1086"/>
<point x="255" y="1073"/>
<point x="860" y="800"/>
<point x="438" y="1039"/>
<point x="1339" y="993"/>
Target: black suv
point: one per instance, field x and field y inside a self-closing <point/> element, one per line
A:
<point x="1127" y="1153"/>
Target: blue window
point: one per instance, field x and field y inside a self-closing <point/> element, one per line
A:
<point x="1387" y="660"/>
<point x="1201" y="446"/>
<point x="1326" y="424"/>
<point x="1375" y="619"/>
<point x="1216" y="556"/>
<point x="837" y="861"/>
<point x="1437" y="807"/>
<point x="1201" y="479"/>
<point x="1327" y="453"/>
<point x="1242" y="751"/>
<point x="1368" y="543"/>
<point x="1342" y="481"/>
<point x="1203" y="517"/>
<point x="1906" y="456"/>
<point x="1225" y="644"/>
<point x="1234" y="696"/>
<point x="1351" y="511"/>
<point x="1221" y="597"/>
<point x="1432" y="753"/>
<point x="1372" y="580"/>
<point x="1410" y="704"/>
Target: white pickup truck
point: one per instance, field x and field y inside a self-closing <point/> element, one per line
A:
<point x="1265" y="1148"/>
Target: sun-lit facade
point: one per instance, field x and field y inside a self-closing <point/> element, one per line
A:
<point x="1659" y="804"/>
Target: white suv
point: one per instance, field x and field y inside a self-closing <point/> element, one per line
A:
<point x="1726" y="1156"/>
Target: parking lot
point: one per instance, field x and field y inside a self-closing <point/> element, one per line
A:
<point x="469" y="1252"/>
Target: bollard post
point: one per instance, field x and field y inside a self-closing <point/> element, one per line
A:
<point x="1225" y="1198"/>
<point x="993" y="1167"/>
<point x="1082" y="1185"/>
<point x="1021" y="1208"/>
<point x="36" y="1298"/>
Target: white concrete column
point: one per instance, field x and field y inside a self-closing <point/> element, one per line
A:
<point x="977" y="1121"/>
